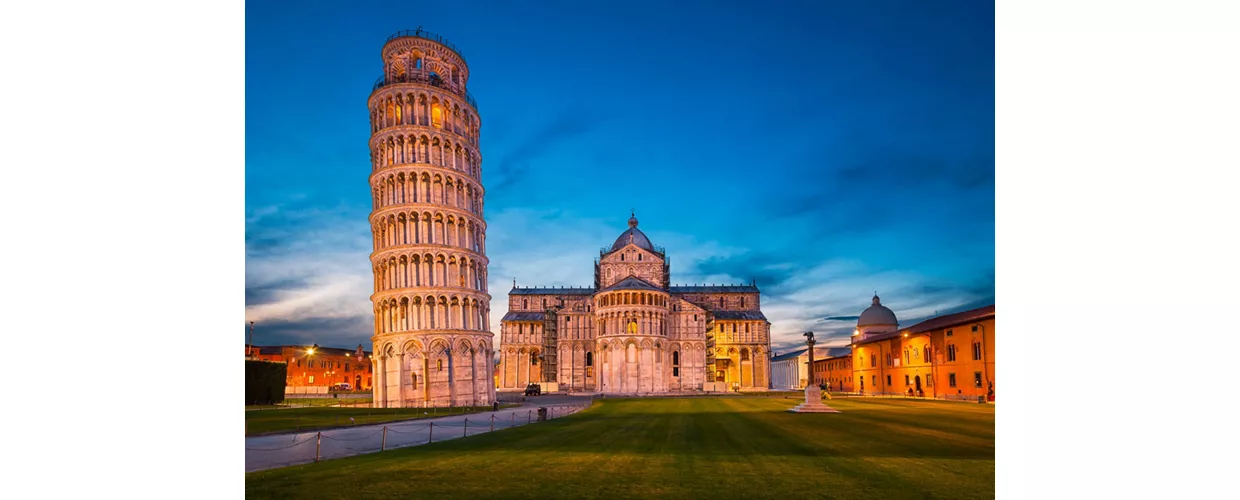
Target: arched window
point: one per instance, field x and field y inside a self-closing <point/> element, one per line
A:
<point x="621" y="257"/>
<point x="589" y="358"/>
<point x="544" y="303"/>
<point x="675" y="357"/>
<point x="632" y="326"/>
<point x="744" y="355"/>
<point x="721" y="302"/>
<point x="436" y="114"/>
<point x="639" y="257"/>
<point x="742" y="302"/>
<point x="525" y="304"/>
<point x="746" y="327"/>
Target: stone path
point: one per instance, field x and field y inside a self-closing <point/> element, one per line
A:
<point x="281" y="450"/>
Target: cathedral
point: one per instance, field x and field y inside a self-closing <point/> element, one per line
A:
<point x="633" y="332"/>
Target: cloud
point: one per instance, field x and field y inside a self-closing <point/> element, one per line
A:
<point x="308" y="277"/>
<point x="516" y="163"/>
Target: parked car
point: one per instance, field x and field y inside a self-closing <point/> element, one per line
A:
<point x="533" y="390"/>
<point x="342" y="386"/>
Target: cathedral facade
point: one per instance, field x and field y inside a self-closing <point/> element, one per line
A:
<point x="633" y="332"/>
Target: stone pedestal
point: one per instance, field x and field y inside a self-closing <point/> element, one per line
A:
<point x="549" y="387"/>
<point x="813" y="402"/>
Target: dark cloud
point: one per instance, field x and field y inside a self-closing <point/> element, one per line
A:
<point x="842" y="318"/>
<point x="517" y="161"/>
<point x="269" y="292"/>
<point x="328" y="332"/>
<point x="763" y="269"/>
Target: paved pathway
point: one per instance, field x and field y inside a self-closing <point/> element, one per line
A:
<point x="273" y="451"/>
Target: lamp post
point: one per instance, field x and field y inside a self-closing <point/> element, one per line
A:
<point x="309" y="366"/>
<point x="249" y="348"/>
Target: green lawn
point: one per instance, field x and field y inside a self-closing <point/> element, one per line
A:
<point x="304" y="419"/>
<point x="683" y="448"/>
<point x="295" y="402"/>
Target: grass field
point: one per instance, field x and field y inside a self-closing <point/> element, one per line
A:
<point x="296" y="402"/>
<point x="683" y="448"/>
<point x="303" y="419"/>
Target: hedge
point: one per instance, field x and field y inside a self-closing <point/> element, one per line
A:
<point x="264" y="382"/>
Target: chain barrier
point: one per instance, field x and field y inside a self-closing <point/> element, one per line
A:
<point x="282" y="447"/>
<point x="368" y="436"/>
<point x="410" y="428"/>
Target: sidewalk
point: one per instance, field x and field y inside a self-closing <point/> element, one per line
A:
<point x="281" y="450"/>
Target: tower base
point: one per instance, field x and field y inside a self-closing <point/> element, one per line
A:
<point x="813" y="402"/>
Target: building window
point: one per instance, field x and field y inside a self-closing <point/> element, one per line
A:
<point x="439" y="365"/>
<point x="906" y="357"/>
<point x="675" y="371"/>
<point x="525" y="304"/>
<point x="927" y="354"/>
<point x="951" y="380"/>
<point x="949" y="333"/>
<point x="873" y="380"/>
<point x="888" y="361"/>
<point x="639" y="257"/>
<point x="977" y="351"/>
<point x="951" y="353"/>
<point x="977" y="380"/>
<point x="974" y="328"/>
<point x="746" y="324"/>
<point x="742" y="302"/>
<point x="744" y="355"/>
<point x="621" y="257"/>
<point x="929" y="381"/>
<point x="299" y="363"/>
<point x="589" y="358"/>
<point x="312" y="379"/>
<point x="888" y="380"/>
<point x="346" y="367"/>
<point x="873" y="361"/>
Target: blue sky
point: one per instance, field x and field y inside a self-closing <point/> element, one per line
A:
<point x="825" y="149"/>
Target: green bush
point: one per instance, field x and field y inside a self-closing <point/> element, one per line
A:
<point x="264" y="382"/>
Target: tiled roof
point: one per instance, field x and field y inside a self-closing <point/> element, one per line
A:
<point x="792" y="354"/>
<point x="714" y="289"/>
<point x="938" y="323"/>
<point x="953" y="319"/>
<point x="739" y="315"/>
<point x="632" y="283"/>
<point x="551" y="291"/>
<point x="524" y="316"/>
<point x="335" y="351"/>
<point x="819" y="353"/>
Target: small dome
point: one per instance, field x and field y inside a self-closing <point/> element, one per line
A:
<point x="877" y="314"/>
<point x="633" y="235"/>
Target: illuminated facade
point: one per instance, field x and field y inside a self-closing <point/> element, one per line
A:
<point x="432" y="339"/>
<point x="633" y="332"/>
<point x="949" y="356"/>
<point x="322" y="367"/>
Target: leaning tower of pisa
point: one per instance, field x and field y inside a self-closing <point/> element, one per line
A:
<point x="432" y="339"/>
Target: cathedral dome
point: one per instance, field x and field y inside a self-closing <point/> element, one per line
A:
<point x="877" y="315"/>
<point x="633" y="235"/>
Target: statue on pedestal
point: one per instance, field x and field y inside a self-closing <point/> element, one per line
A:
<point x="813" y="394"/>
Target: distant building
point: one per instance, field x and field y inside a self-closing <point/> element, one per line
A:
<point x="324" y="368"/>
<point x="633" y="332"/>
<point x="791" y="370"/>
<point x="950" y="356"/>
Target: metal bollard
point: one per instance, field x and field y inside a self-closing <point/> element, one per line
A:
<point x="430" y="436"/>
<point x="465" y="432"/>
<point x="318" y="443"/>
<point x="383" y="445"/>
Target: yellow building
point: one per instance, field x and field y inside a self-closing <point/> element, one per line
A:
<point x="949" y="357"/>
